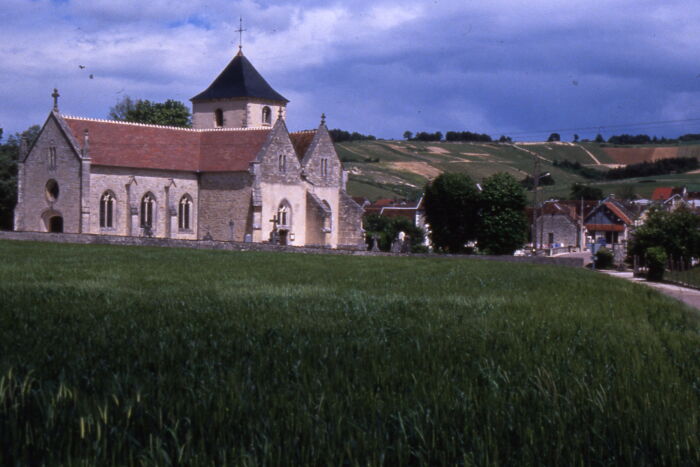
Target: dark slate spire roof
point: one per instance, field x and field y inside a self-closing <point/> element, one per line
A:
<point x="239" y="79"/>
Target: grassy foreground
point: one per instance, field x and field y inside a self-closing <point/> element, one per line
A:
<point x="114" y="355"/>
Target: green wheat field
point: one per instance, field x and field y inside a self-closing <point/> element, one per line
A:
<point x="143" y="356"/>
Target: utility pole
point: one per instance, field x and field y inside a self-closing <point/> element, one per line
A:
<point x="535" y="184"/>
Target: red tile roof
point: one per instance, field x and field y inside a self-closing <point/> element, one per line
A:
<point x="301" y="140"/>
<point x="136" y="145"/>
<point x="662" y="193"/>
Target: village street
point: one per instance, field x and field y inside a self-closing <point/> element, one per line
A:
<point x="686" y="295"/>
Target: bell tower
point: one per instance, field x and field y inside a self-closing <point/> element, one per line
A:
<point x="238" y="98"/>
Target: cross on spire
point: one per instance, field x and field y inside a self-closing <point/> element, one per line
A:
<point x="55" y="96"/>
<point x="240" y="31"/>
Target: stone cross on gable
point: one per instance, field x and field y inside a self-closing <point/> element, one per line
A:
<point x="55" y="96"/>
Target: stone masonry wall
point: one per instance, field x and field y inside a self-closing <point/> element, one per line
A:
<point x="565" y="231"/>
<point x="37" y="207"/>
<point x="350" y="232"/>
<point x="225" y="197"/>
<point x="238" y="246"/>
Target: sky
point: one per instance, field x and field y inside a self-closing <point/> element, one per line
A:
<point x="503" y="67"/>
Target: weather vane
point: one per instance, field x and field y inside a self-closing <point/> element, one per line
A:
<point x="240" y="33"/>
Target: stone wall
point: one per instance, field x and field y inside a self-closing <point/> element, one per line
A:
<point x="564" y="230"/>
<point x="225" y="197"/>
<point x="350" y="231"/>
<point x="239" y="246"/>
<point x="37" y="207"/>
<point x="129" y="186"/>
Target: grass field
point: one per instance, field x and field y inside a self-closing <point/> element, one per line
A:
<point x="400" y="169"/>
<point x="116" y="355"/>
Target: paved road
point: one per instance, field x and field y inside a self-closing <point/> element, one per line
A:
<point x="684" y="294"/>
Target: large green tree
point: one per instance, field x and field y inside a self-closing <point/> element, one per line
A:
<point x="451" y="208"/>
<point x="170" y="112"/>
<point x="502" y="223"/>
<point x="9" y="153"/>
<point x="677" y="232"/>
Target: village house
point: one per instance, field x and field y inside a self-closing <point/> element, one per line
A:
<point x="237" y="175"/>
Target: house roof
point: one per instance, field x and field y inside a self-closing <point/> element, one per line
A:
<point x="135" y="145"/>
<point x="617" y="210"/>
<point x="301" y="140"/>
<point x="239" y="79"/>
<point x="661" y="193"/>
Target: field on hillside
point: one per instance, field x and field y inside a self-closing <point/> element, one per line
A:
<point x="117" y="355"/>
<point x="391" y="169"/>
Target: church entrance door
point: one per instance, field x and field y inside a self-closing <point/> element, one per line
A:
<point x="56" y="224"/>
<point x="284" y="235"/>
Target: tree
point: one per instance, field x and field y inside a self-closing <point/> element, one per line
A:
<point x="502" y="224"/>
<point x="9" y="154"/>
<point x="599" y="138"/>
<point x="505" y="139"/>
<point x="170" y="112"/>
<point x="451" y="209"/>
<point x="575" y="138"/>
<point x="554" y="137"/>
<point x="579" y="191"/>
<point x="677" y="232"/>
<point x="407" y="135"/>
<point x="386" y="230"/>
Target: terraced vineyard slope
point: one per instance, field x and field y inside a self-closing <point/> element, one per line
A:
<point x="402" y="168"/>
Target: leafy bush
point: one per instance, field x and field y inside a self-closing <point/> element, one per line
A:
<point x="604" y="258"/>
<point x="656" y="262"/>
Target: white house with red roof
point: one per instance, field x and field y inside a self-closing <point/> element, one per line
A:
<point x="237" y="175"/>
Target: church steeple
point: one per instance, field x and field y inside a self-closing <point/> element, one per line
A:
<point x="238" y="98"/>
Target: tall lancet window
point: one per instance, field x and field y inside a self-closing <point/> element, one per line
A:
<point x="219" y="118"/>
<point x="184" y="214"/>
<point x="284" y="215"/>
<point x="107" y="210"/>
<point x="282" y="163"/>
<point x="148" y="208"/>
<point x="266" y="115"/>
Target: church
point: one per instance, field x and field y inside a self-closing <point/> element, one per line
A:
<point x="237" y="175"/>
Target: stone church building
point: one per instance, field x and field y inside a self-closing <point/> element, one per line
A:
<point x="237" y="175"/>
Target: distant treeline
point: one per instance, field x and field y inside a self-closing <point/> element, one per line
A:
<point x="453" y="136"/>
<point x="644" y="169"/>
<point x="646" y="139"/>
<point x="659" y="167"/>
<point x="339" y="136"/>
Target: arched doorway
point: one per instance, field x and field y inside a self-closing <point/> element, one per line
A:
<point x="56" y="224"/>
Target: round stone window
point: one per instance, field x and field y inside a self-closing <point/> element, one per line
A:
<point x="52" y="190"/>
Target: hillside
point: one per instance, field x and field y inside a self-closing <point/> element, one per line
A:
<point x="183" y="357"/>
<point x="401" y="168"/>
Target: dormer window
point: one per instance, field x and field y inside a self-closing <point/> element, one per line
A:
<point x="266" y="115"/>
<point x="219" y="118"/>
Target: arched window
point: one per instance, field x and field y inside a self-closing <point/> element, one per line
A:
<point x="219" y="117"/>
<point x="324" y="167"/>
<point x="107" y="210"/>
<point x="184" y="213"/>
<point x="148" y="208"/>
<point x="52" y="190"/>
<point x="328" y="218"/>
<point x="284" y="215"/>
<point x="283" y="163"/>
<point x="266" y="115"/>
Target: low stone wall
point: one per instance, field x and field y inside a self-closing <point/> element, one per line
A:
<point x="90" y="239"/>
